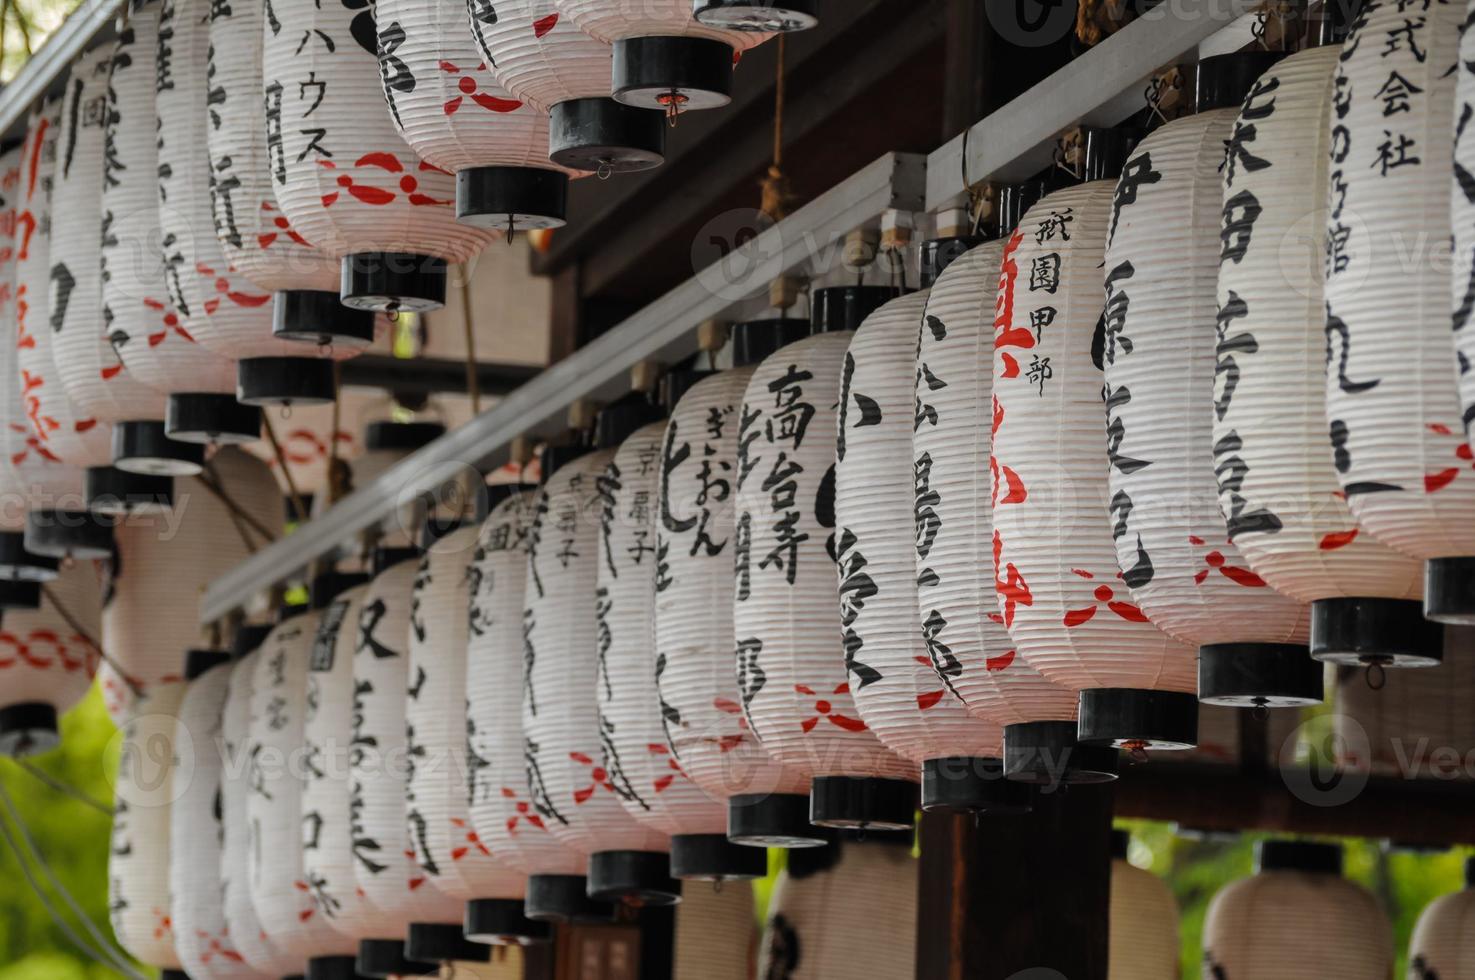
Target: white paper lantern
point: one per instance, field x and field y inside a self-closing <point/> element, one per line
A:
<point x="343" y="175"/>
<point x="664" y="57"/>
<point x="1278" y="489"/>
<point x="1297" y="919"/>
<point x="793" y="673"/>
<point x="1059" y="590"/>
<point x="47" y="660"/>
<point x="542" y="58"/>
<point x="1143" y="944"/>
<point x="1393" y="408"/>
<point x="1441" y="947"/>
<point x="715" y="933"/>
<point x="961" y="623"/>
<point x="758" y="15"/>
<point x="138" y="865"/>
<point x="138" y="316"/>
<point x="1462" y="210"/>
<point x="897" y="692"/>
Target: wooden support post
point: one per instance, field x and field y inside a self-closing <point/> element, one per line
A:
<point x="1017" y="893"/>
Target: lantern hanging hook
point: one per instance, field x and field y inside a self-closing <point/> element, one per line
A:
<point x="606" y="169"/>
<point x="717" y="884"/>
<point x="1376" y="676"/>
<point x="1261" y="712"/>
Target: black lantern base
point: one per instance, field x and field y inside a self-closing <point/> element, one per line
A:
<point x="1138" y="719"/>
<point x="1258" y="675"/>
<point x="145" y="448"/>
<point x="1046" y="753"/>
<point x="264" y="381"/>
<point x="211" y="419"/>
<point x="20" y="595"/>
<point x="28" y="728"/>
<point x="111" y="491"/>
<point x="197" y="662"/>
<point x="604" y="137"/>
<point x="758" y="15"/>
<point x="639" y="878"/>
<point x="503" y="922"/>
<point x="435" y="942"/>
<point x="512" y="198"/>
<point x="18" y="564"/>
<point x="846" y="307"/>
<point x="332" y="968"/>
<point x="386" y="958"/>
<point x="972" y="785"/>
<point x="772" y="820"/>
<point x="173" y="975"/>
<point x="672" y="74"/>
<point x="393" y="281"/>
<point x="318" y="316"/>
<point x="77" y="534"/>
<point x="1449" y="590"/>
<point x="712" y="857"/>
<point x="401" y="436"/>
<point x="564" y="898"/>
<point x="851" y="803"/>
<point x="1364" y="631"/>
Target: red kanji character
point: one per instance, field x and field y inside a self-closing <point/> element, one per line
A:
<point x="599" y="779"/>
<point x="1215" y="559"/>
<point x="470" y="90"/>
<point x="1011" y="588"/>
<point x="1104" y="595"/>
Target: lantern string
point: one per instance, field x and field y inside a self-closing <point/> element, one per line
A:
<point x="66" y="789"/>
<point x="75" y="625"/>
<point x="1377" y="677"/>
<point x="473" y="383"/>
<point x="210" y="480"/>
<point x="335" y="482"/>
<point x="276" y="447"/>
<point x="776" y="192"/>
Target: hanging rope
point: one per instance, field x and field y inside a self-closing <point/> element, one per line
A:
<point x="777" y="195"/>
<point x="244" y="521"/>
<point x="473" y="381"/>
<point x="298" y="503"/>
<point x="52" y="782"/>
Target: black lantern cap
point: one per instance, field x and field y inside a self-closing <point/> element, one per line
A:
<point x="327" y="586"/>
<point x="435" y="942"/>
<point x="401" y="436"/>
<point x="555" y="458"/>
<point x="1046" y="753"/>
<point x="846" y="307"/>
<point x="28" y="728"/>
<point x="939" y="253"/>
<point x="1470" y="872"/>
<point x="602" y="136"/>
<point x="1449" y="590"/>
<point x="1362" y="631"/>
<point x="248" y="637"/>
<point x="712" y="857"/>
<point x="756" y="339"/>
<point x="1332" y="22"/>
<point x="386" y="958"/>
<point x="1138" y="719"/>
<point x="393" y="281"/>
<point x="672" y="74"/>
<point x="619" y="419"/>
<point x="1258" y="675"/>
<point x="291" y="612"/>
<point x="1120" y="842"/>
<point x="564" y="898"/>
<point x="503" y="922"/>
<point x="333" y="968"/>
<point x="20" y="595"/>
<point x="78" y="534"/>
<point x="318" y="316"/>
<point x="264" y="381"/>
<point x="676" y="383"/>
<point x="386" y="557"/>
<point x="767" y="16"/>
<point x="972" y="785"/>
<point x="512" y="198"/>
<point x="1223" y="81"/>
<point x="18" y="564"/>
<point x="144" y="448"/>
<point x="773" y="820"/>
<point x="1296" y="855"/>
<point x="1106" y="151"/>
<point x="862" y="803"/>
<point x="173" y="975"/>
<point x="109" y="490"/>
<point x="1014" y="201"/>
<point x="210" y="419"/>
<point x="197" y="662"/>
<point x="638" y="878"/>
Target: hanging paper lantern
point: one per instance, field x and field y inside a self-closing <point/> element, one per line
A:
<point x="542" y="58"/>
<point x="849" y="909"/>
<point x="138" y="862"/>
<point x="162" y="562"/>
<point x="1440" y="948"/>
<point x="1297" y="919"/>
<point x="758" y="15"/>
<point x="1278" y="490"/>
<point x="257" y="239"/>
<point x="1162" y="260"/>
<point x="701" y="704"/>
<point x="1393" y="408"/>
<point x="967" y="643"/>
<point x="1063" y="601"/>
<point x="1462" y="208"/>
<point x="343" y="175"/>
<point x="47" y="660"/>
<point x="139" y="319"/>
<point x="714" y="933"/>
<point x="1144" y="921"/>
<point x="452" y="111"/>
<point x="664" y="57"/>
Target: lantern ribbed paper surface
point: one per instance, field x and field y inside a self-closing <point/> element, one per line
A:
<point x="202" y="935"/>
<point x="961" y="623"/>
<point x="163" y="560"/>
<point x="1443" y="943"/>
<point x="572" y="789"/>
<point x="701" y="703"/>
<point x="138" y="866"/>
<point x="538" y="55"/>
<point x="1059" y="590"/>
<point x="1278" y="490"/>
<point x="1462" y="219"/>
<point x="1393" y="409"/>
<point x="246" y="934"/>
<point x="715" y="933"/>
<point x="897" y="692"/>
<point x="502" y="804"/>
<point x="447" y="846"/>
<point x="1144" y="926"/>
<point x="46" y="661"/>
<point x="793" y="672"/>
